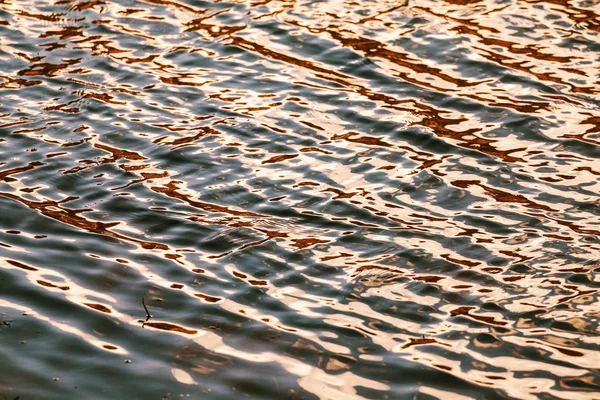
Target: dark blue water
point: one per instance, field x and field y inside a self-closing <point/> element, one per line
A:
<point x="314" y="199"/>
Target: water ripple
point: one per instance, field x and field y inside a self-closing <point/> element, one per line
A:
<point x="341" y="199"/>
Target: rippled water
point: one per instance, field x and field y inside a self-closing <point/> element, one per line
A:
<point x="315" y="199"/>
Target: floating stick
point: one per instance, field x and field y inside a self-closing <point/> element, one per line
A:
<point x="148" y="315"/>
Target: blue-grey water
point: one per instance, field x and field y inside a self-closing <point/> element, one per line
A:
<point x="343" y="199"/>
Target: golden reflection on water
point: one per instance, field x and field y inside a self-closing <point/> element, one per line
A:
<point x="426" y="171"/>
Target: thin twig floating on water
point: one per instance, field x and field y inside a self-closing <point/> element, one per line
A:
<point x="148" y="315"/>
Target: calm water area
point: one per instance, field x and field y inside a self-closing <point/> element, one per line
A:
<point x="299" y="199"/>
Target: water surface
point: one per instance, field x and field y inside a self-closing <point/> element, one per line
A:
<point x="344" y="199"/>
